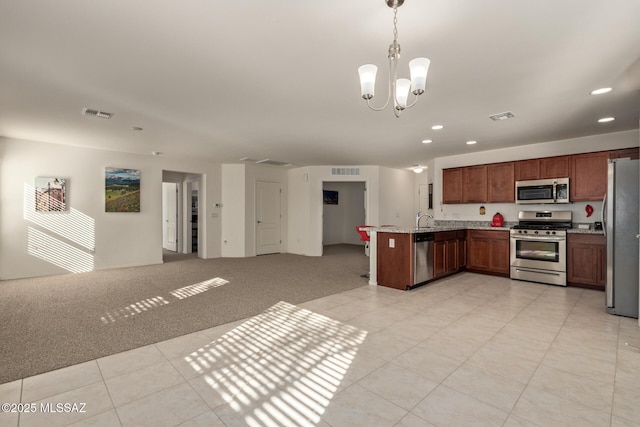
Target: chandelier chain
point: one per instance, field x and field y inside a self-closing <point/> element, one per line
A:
<point x="395" y="24"/>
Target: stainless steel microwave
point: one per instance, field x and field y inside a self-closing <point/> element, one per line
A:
<point x="543" y="191"/>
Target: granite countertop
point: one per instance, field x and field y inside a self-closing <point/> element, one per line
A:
<point x="444" y="226"/>
<point x="441" y="225"/>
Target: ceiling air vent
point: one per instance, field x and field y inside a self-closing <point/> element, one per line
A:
<point x="265" y="162"/>
<point x="272" y="162"/>
<point x="96" y="113"/>
<point x="345" y="171"/>
<point x="502" y="116"/>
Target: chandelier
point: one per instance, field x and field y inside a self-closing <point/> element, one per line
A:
<point x="398" y="88"/>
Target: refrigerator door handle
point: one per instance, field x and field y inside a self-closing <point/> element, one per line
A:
<point x="602" y="214"/>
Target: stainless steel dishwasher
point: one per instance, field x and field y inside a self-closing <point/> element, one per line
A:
<point x="422" y="257"/>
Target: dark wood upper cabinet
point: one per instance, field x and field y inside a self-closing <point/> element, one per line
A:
<point x="547" y="167"/>
<point x="495" y="183"/>
<point x="588" y="181"/>
<point x="554" y="167"/>
<point x="632" y="153"/>
<point x="501" y="182"/>
<point x="526" y="169"/>
<point x="452" y="185"/>
<point x="474" y="184"/>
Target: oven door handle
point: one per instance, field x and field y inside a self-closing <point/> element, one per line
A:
<point x="540" y="239"/>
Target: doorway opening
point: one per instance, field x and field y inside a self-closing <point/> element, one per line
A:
<point x="181" y="215"/>
<point x="343" y="209"/>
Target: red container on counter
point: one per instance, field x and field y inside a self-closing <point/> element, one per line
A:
<point x="498" y="220"/>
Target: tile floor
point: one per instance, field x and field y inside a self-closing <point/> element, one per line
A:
<point x="468" y="350"/>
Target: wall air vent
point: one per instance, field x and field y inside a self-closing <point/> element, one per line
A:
<point x="96" y="113"/>
<point x="345" y="171"/>
<point x="502" y="116"/>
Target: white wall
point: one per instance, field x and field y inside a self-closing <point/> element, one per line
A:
<point x="383" y="201"/>
<point x="470" y="212"/>
<point x="396" y="197"/>
<point x="239" y="207"/>
<point x="232" y="211"/>
<point x="119" y="239"/>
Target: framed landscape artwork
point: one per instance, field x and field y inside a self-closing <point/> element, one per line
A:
<point x="121" y="190"/>
<point x="51" y="194"/>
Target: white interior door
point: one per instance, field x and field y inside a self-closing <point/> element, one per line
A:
<point x="268" y="217"/>
<point x="169" y="216"/>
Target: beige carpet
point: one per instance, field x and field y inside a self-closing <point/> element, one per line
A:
<point x="51" y="322"/>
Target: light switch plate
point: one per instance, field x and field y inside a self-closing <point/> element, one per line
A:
<point x="392" y="243"/>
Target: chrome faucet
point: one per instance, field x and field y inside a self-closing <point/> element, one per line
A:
<point x="421" y="215"/>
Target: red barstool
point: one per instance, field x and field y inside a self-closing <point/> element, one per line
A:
<point x="364" y="236"/>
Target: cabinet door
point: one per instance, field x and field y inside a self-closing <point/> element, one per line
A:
<point x="582" y="266"/>
<point x="588" y="177"/>
<point x="478" y="253"/>
<point x="501" y="183"/>
<point x="601" y="266"/>
<point x="554" y="167"/>
<point x="439" y="259"/>
<point x="586" y="260"/>
<point x="527" y="169"/>
<point x="462" y="253"/>
<point x="499" y="255"/>
<point x="488" y="251"/>
<point x="451" y="250"/>
<point x="452" y="185"/>
<point x="474" y="184"/>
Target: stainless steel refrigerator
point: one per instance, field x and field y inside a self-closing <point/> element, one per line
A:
<point x="620" y="217"/>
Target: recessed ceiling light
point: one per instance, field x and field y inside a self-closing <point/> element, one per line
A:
<point x="471" y="142"/>
<point x="437" y="127"/>
<point x="601" y="91"/>
<point x="427" y="141"/>
<point x="606" y="119"/>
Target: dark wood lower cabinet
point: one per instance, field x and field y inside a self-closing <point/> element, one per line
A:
<point x="587" y="260"/>
<point x="447" y="255"/>
<point x="488" y="251"/>
<point x="395" y="260"/>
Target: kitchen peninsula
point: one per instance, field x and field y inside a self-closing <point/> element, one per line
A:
<point x="446" y="248"/>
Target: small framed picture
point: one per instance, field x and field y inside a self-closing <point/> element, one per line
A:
<point x="51" y="194"/>
<point x="329" y="197"/>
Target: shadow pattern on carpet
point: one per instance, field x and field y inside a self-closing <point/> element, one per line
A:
<point x="57" y="321"/>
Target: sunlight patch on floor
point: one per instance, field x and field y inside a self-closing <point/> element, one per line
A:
<point x="145" y="305"/>
<point x="281" y="367"/>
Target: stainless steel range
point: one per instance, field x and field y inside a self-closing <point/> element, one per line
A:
<point x="539" y="247"/>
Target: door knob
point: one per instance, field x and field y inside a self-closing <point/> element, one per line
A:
<point x="259" y="222"/>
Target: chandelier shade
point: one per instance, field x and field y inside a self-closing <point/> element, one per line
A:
<point x="367" y="74"/>
<point x="398" y="88"/>
<point x="419" y="68"/>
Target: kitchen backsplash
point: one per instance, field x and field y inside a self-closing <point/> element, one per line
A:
<point x="471" y="212"/>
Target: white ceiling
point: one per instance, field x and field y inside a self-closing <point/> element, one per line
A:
<point x="277" y="79"/>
